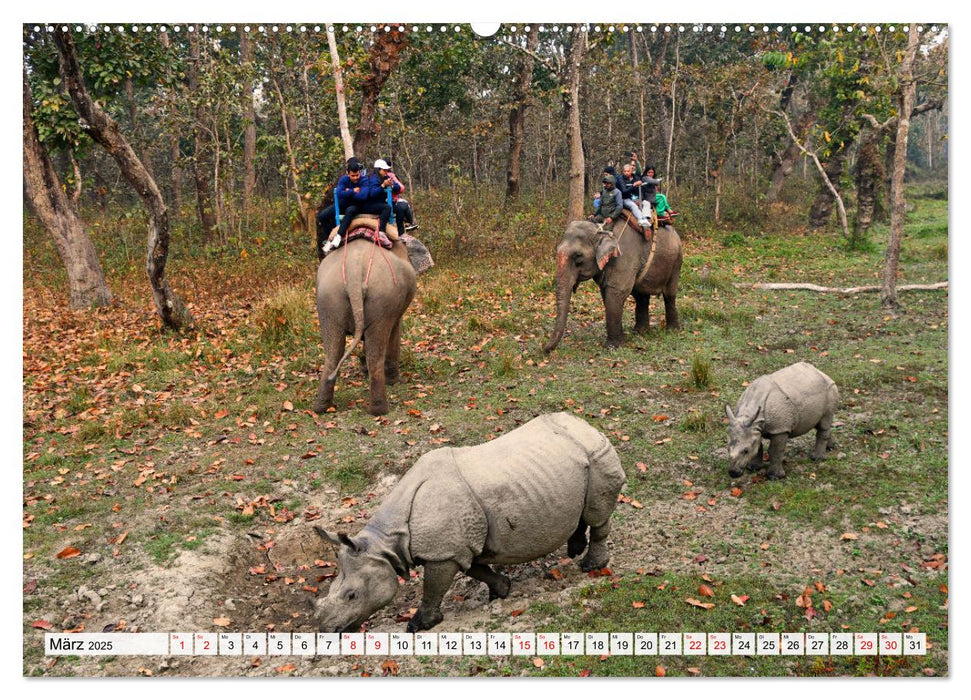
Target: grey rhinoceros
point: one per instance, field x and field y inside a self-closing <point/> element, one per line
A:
<point x="778" y="406"/>
<point x="508" y="501"/>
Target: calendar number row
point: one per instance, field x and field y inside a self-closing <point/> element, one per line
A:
<point x="490" y="644"/>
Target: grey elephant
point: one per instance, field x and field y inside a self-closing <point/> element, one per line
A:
<point x="623" y="264"/>
<point x="508" y="501"/>
<point x="363" y="290"/>
<point x="778" y="406"/>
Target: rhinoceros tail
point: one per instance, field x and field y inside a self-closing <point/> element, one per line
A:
<point x="356" y="294"/>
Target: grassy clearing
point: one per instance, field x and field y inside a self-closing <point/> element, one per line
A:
<point x="177" y="438"/>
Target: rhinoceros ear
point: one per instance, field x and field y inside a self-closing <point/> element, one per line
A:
<point x="327" y="537"/>
<point x="758" y="420"/>
<point x="728" y="412"/>
<point x="348" y="542"/>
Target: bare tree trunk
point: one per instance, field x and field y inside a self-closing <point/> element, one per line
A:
<point x="869" y="178"/>
<point x="674" y="111"/>
<point x="335" y="61"/>
<point x="176" y="155"/>
<point x="898" y="212"/>
<point x="384" y="57"/>
<point x="249" y="121"/>
<point x="571" y="104"/>
<point x="200" y="160"/>
<point x="59" y="216"/>
<point x="517" y="115"/>
<point x="105" y="132"/>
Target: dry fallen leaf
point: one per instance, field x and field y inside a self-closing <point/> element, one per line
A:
<point x="68" y="552"/>
<point x="538" y="662"/>
<point x="739" y="599"/>
<point x="698" y="604"/>
<point x="286" y="668"/>
<point x="660" y="671"/>
<point x="390" y="667"/>
<point x="849" y="536"/>
<point x="706" y="591"/>
<point x="221" y="621"/>
<point x="638" y="604"/>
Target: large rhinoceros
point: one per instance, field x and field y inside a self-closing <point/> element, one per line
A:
<point x="508" y="501"/>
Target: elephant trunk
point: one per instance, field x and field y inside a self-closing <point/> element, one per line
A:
<point x="566" y="277"/>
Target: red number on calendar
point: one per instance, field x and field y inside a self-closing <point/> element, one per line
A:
<point x="720" y="646"/>
<point x="549" y="644"/>
<point x="892" y="645"/>
<point x="694" y="645"/>
<point x="353" y="645"/>
<point x="866" y="645"/>
<point x="205" y="645"/>
<point x="377" y="645"/>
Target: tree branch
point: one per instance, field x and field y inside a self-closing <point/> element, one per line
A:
<point x="822" y="172"/>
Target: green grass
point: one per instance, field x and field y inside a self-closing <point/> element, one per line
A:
<point x="224" y="413"/>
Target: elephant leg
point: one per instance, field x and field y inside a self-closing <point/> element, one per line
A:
<point x="614" y="308"/>
<point x="392" y="374"/>
<point x="671" y="320"/>
<point x="438" y="578"/>
<point x="598" y="555"/>
<point x="333" y="341"/>
<point x="375" y="350"/>
<point x="497" y="583"/>
<point x="777" y="449"/>
<point x="578" y="540"/>
<point x="642" y="312"/>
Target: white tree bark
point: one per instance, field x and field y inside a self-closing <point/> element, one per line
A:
<point x="335" y="61"/>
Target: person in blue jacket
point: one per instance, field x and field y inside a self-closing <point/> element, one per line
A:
<point x="348" y="187"/>
<point x="369" y="197"/>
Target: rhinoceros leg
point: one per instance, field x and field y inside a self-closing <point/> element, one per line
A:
<point x="824" y="440"/>
<point x="757" y="462"/>
<point x="497" y="583"/>
<point x="578" y="540"/>
<point x="598" y="555"/>
<point x="438" y="578"/>
<point x="777" y="449"/>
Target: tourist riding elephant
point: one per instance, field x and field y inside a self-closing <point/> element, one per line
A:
<point x="363" y="289"/>
<point x="623" y="264"/>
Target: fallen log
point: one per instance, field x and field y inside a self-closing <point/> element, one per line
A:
<point x="836" y="290"/>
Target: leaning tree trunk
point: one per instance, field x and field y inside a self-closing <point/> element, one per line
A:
<point x="60" y="217"/>
<point x="898" y="211"/>
<point x="384" y="57"/>
<point x="335" y="61"/>
<point x="200" y="160"/>
<point x="822" y="206"/>
<point x="571" y="104"/>
<point x="105" y="132"/>
<point x="517" y="115"/>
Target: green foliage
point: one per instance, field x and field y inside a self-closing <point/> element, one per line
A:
<point x="701" y="376"/>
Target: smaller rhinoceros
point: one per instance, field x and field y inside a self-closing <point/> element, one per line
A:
<point x="779" y="406"/>
<point x="508" y="501"/>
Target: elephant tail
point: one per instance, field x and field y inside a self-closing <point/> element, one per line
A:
<point x="356" y="294"/>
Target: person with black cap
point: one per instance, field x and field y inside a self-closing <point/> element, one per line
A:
<point x="346" y="192"/>
<point x="611" y="203"/>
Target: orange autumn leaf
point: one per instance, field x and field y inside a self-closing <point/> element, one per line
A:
<point x="737" y="492"/>
<point x="286" y="668"/>
<point x="390" y="667"/>
<point x="706" y="591"/>
<point x="739" y="599"/>
<point x="538" y="662"/>
<point x="660" y="671"/>
<point x="849" y="536"/>
<point x="68" y="552"/>
<point x="698" y="604"/>
<point x="638" y="604"/>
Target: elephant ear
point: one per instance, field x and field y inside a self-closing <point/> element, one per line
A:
<point x="606" y="249"/>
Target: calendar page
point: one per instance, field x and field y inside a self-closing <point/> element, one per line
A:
<point x="519" y="349"/>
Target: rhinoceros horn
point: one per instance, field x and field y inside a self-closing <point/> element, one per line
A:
<point x="728" y="412"/>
